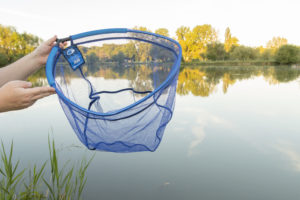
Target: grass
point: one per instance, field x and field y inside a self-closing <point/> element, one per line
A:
<point x="64" y="182"/>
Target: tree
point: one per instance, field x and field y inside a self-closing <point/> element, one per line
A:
<point x="92" y="60"/>
<point x="182" y="32"/>
<point x="163" y="31"/>
<point x="287" y="54"/>
<point x="143" y="49"/>
<point x="182" y="35"/>
<point x="3" y="59"/>
<point x="119" y="57"/>
<point x="200" y="37"/>
<point x="141" y="28"/>
<point x="276" y="43"/>
<point x="14" y="45"/>
<point x="229" y="40"/>
<point x="194" y="43"/>
<point x="243" y="53"/>
<point x="216" y="51"/>
<point x="130" y="51"/>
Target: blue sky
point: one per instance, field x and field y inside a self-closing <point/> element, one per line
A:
<point x="252" y="22"/>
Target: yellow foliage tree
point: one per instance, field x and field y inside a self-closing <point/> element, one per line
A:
<point x="141" y="28"/>
<point x="182" y="34"/>
<point x="275" y="43"/>
<point x="229" y="40"/>
<point x="14" y="45"/>
<point x="163" y="31"/>
<point x="200" y="37"/>
<point x="194" y="43"/>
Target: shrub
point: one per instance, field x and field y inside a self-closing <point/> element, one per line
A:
<point x="287" y="54"/>
<point x="243" y="53"/>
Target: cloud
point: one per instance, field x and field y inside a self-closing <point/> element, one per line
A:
<point x="287" y="149"/>
<point x="201" y="120"/>
<point x="198" y="137"/>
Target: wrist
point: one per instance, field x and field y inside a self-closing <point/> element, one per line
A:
<point x="2" y="107"/>
<point x="37" y="60"/>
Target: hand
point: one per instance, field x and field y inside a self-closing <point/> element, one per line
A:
<point x="16" y="95"/>
<point x="41" y="53"/>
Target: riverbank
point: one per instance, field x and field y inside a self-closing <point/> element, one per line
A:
<point x="230" y="63"/>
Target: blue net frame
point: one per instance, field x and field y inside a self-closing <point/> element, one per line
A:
<point x="132" y="115"/>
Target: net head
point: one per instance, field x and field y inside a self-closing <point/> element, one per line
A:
<point x="117" y="87"/>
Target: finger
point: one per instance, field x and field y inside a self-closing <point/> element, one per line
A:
<point x="51" y="41"/>
<point x="64" y="44"/>
<point x="40" y="96"/>
<point x="22" y="84"/>
<point x="40" y="90"/>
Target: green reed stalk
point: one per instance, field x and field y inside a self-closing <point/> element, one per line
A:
<point x="64" y="183"/>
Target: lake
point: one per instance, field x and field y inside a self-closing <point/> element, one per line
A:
<point x="234" y="135"/>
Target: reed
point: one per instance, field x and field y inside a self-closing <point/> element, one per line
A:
<point x="65" y="181"/>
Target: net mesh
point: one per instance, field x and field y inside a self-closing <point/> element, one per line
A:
<point x="122" y="98"/>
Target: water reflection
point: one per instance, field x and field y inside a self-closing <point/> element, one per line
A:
<point x="199" y="81"/>
<point x="289" y="151"/>
<point x="240" y="141"/>
<point x="202" y="81"/>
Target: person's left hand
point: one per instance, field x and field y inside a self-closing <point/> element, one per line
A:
<point x="41" y="53"/>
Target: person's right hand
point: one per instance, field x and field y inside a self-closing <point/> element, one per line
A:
<point x="16" y="95"/>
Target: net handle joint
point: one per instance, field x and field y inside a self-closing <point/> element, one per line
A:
<point x="62" y="40"/>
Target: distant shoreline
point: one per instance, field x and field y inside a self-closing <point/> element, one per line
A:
<point x="231" y="63"/>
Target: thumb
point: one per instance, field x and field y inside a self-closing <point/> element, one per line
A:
<point x="50" y="41"/>
<point x="22" y="84"/>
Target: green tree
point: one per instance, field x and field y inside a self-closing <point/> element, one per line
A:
<point x="266" y="54"/>
<point x="287" y="54"/>
<point x="244" y="53"/>
<point x="92" y="60"/>
<point x="3" y="59"/>
<point x="229" y="40"/>
<point x="119" y="57"/>
<point x="216" y="51"/>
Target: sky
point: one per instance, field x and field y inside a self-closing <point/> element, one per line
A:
<point x="253" y="22"/>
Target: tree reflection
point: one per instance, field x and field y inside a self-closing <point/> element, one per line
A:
<point x="194" y="81"/>
<point x="227" y="81"/>
<point x="199" y="81"/>
<point x="203" y="81"/>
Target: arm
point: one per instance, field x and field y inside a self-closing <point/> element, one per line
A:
<point x="24" y="67"/>
<point x="15" y="93"/>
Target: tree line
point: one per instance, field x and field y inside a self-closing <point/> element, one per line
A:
<point x="14" y="45"/>
<point x="199" y="44"/>
<point x="202" y="44"/>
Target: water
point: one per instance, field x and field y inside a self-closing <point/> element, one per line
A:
<point x="234" y="135"/>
